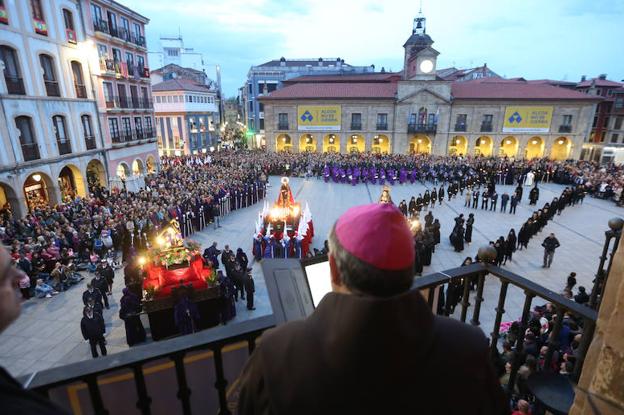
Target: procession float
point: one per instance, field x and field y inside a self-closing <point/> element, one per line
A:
<point x="284" y="230"/>
<point x="173" y="267"/>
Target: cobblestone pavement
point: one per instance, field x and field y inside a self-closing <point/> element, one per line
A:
<point x="47" y="334"/>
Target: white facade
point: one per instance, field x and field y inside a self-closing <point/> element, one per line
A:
<point x="31" y="39"/>
<point x="172" y="50"/>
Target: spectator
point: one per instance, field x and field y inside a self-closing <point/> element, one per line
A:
<point x="550" y="244"/>
<point x="523" y="408"/>
<point x="44" y="290"/>
<point x="311" y="365"/>
<point x="15" y="399"/>
<point x="581" y="297"/>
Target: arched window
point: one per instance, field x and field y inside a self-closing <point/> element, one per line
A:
<point x="87" y="132"/>
<point x="81" y="91"/>
<point x="30" y="150"/>
<point x="12" y="72"/>
<point x="60" y="131"/>
<point x="49" y="76"/>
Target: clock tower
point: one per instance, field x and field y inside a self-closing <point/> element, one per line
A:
<point x="420" y="57"/>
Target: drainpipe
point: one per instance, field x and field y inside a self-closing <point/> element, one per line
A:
<point x="97" y="112"/>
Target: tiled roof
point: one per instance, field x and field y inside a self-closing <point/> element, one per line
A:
<point x="179" y="85"/>
<point x="598" y="82"/>
<point x="494" y="88"/>
<point x="336" y="90"/>
<point x="302" y="62"/>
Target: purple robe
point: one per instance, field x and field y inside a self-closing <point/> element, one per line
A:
<point x="402" y="175"/>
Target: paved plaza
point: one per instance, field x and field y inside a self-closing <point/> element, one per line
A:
<point x="47" y="334"/>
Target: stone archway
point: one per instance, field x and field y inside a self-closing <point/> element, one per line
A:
<point x="458" y="146"/>
<point x="123" y="171"/>
<point x="331" y="143"/>
<point x="534" y="148"/>
<point x="150" y="164"/>
<point x="96" y="175"/>
<point x="307" y="143"/>
<point x="71" y="182"/>
<point x="39" y="191"/>
<point x="483" y="146"/>
<point x="420" y="144"/>
<point x="356" y="144"/>
<point x="381" y="144"/>
<point x="283" y="142"/>
<point x="561" y="149"/>
<point x="9" y="201"/>
<point x="509" y="147"/>
<point x="137" y="168"/>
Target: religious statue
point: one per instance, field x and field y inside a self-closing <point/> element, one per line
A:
<point x="385" y="195"/>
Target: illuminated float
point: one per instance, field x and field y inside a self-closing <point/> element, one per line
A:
<point x="284" y="230"/>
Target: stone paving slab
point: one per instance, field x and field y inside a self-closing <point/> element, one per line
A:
<point x="47" y="333"/>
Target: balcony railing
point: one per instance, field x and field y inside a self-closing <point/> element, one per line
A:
<point x="90" y="142"/>
<point x="382" y="126"/>
<point x="81" y="91"/>
<point x="137" y="39"/>
<point x="218" y="340"/>
<point x="52" y="88"/>
<point x="565" y="128"/>
<point x="101" y="26"/>
<point x="430" y="128"/>
<point x="15" y="85"/>
<point x="124" y="102"/>
<point x="147" y="103"/>
<point x="282" y="126"/>
<point x="460" y="127"/>
<point x="116" y="138"/>
<point x="486" y="127"/>
<point x="64" y="147"/>
<point x="356" y="125"/>
<point x="30" y="152"/>
<point x="136" y="102"/>
<point x="139" y="135"/>
<point x="112" y="102"/>
<point x="149" y="133"/>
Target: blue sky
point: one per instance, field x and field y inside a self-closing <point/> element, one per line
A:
<point x="556" y="39"/>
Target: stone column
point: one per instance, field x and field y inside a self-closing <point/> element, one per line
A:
<point x="603" y="372"/>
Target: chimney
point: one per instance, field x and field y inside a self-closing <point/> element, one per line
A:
<point x="320" y="62"/>
<point x="602" y="76"/>
<point x="583" y="78"/>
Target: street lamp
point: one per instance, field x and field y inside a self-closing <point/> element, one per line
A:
<point x="614" y="232"/>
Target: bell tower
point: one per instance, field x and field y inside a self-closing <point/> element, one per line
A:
<point x="420" y="57"/>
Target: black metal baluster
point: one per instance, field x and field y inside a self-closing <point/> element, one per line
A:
<point x="553" y="339"/>
<point x="500" y="310"/>
<point x="96" y="397"/>
<point x="184" y="392"/>
<point x="588" y="334"/>
<point x="465" y="298"/>
<point x="221" y="382"/>
<point x="430" y="297"/>
<point x="524" y="323"/>
<point x="144" y="401"/>
<point x="478" y="301"/>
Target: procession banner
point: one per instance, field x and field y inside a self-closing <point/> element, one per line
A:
<point x="525" y="119"/>
<point x="318" y="117"/>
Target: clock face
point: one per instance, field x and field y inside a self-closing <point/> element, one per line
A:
<point x="426" y="65"/>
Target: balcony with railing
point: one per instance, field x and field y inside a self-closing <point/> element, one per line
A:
<point x="565" y="128"/>
<point x="139" y="134"/>
<point x="149" y="133"/>
<point x="81" y="91"/>
<point x="460" y="127"/>
<point x="52" y="88"/>
<point x="15" y="85"/>
<point x="64" y="147"/>
<point x="429" y="128"/>
<point x="382" y="126"/>
<point x="486" y="127"/>
<point x="117" y="138"/>
<point x="221" y="343"/>
<point x="356" y="126"/>
<point x="30" y="152"/>
<point x="101" y="26"/>
<point x="90" y="142"/>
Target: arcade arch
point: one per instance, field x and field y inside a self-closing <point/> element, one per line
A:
<point x="39" y="191"/>
<point x="307" y="143"/>
<point x="483" y="146"/>
<point x="561" y="149"/>
<point x="420" y="144"/>
<point x="458" y="146"/>
<point x="96" y="174"/>
<point x="283" y="142"/>
<point x="71" y="182"/>
<point x="137" y="168"/>
<point x="123" y="172"/>
<point x="534" y="148"/>
<point x="381" y="144"/>
<point x="509" y="146"/>
<point x="331" y="143"/>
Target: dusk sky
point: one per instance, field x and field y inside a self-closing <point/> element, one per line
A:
<point x="555" y="39"/>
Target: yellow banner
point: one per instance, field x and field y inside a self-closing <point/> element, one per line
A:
<point x="527" y="119"/>
<point x="318" y="117"/>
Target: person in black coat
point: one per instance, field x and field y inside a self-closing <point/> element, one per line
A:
<point x="185" y="314"/>
<point x="534" y="195"/>
<point x="250" y="289"/>
<point x="510" y="245"/>
<point x="92" y="327"/>
<point x="581" y="297"/>
<point x="91" y="293"/>
<point x="101" y="284"/>
<point x="130" y="307"/>
<point x="469" y="225"/>
<point x="241" y="258"/>
<point x="323" y="364"/>
<point x="571" y="281"/>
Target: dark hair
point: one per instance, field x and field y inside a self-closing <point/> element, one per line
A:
<point x="361" y="277"/>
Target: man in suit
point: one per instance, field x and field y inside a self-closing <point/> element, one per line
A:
<point x="387" y="353"/>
